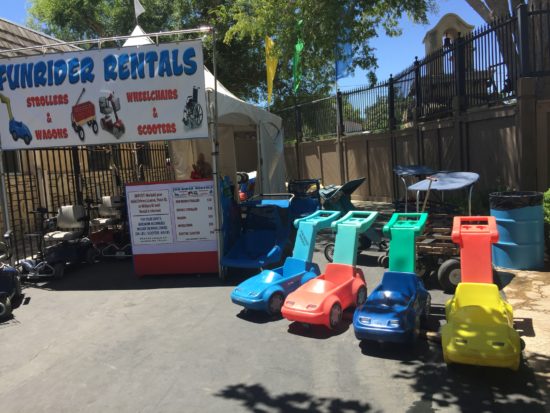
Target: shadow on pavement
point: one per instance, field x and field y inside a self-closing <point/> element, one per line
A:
<point x="257" y="317"/>
<point x="119" y="275"/>
<point x="317" y="331"/>
<point x="524" y="327"/>
<point x="394" y="351"/>
<point x="367" y="259"/>
<point x="470" y="388"/>
<point x="503" y="278"/>
<point x="256" y="398"/>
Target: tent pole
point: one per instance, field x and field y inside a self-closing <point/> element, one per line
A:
<point x="215" y="153"/>
<point x="259" y="172"/>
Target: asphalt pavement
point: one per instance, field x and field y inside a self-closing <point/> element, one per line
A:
<point x="103" y="340"/>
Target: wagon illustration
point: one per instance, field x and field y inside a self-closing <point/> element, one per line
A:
<point x="83" y="114"/>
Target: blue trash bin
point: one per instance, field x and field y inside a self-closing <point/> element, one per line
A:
<point x="520" y="222"/>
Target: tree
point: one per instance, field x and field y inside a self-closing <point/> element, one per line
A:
<point x="240" y="65"/>
<point x="242" y="26"/>
<point x="326" y="26"/>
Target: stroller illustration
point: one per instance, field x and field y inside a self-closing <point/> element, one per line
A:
<point x="192" y="113"/>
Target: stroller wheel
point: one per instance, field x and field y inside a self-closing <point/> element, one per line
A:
<point x="382" y="246"/>
<point x="5" y="307"/>
<point x="59" y="270"/>
<point x="91" y="256"/>
<point x="275" y="303"/>
<point x="18" y="289"/>
<point x="224" y="273"/>
<point x="384" y="261"/>
<point x="329" y="252"/>
<point x="364" y="242"/>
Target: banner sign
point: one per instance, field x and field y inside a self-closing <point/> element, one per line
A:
<point x="175" y="221"/>
<point x="106" y="96"/>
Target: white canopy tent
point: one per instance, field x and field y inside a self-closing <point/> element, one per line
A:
<point x="236" y="118"/>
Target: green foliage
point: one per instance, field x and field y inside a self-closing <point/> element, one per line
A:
<point x="326" y="24"/>
<point x="241" y="26"/>
<point x="546" y="206"/>
<point x="241" y="65"/>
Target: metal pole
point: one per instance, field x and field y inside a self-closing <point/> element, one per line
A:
<point x="77" y="175"/>
<point x="98" y="42"/>
<point x="4" y="194"/>
<point x="298" y="135"/>
<point x="523" y="43"/>
<point x="339" y="131"/>
<point x="460" y="71"/>
<point x="215" y="152"/>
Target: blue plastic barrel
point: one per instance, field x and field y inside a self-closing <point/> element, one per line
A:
<point x="520" y="222"/>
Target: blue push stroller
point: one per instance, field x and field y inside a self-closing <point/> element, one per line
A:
<point x="338" y="198"/>
<point x="265" y="234"/>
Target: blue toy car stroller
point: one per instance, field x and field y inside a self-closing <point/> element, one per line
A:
<point x="394" y="310"/>
<point x="265" y="234"/>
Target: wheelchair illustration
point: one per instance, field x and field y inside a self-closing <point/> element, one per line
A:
<point x="192" y="113"/>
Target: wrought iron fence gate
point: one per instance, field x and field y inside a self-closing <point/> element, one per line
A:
<point x="49" y="178"/>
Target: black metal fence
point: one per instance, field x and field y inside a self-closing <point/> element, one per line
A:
<point x="480" y="68"/>
<point x="537" y="38"/>
<point x="49" y="178"/>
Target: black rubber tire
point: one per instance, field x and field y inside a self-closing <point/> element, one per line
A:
<point x="275" y="303"/>
<point x="81" y="134"/>
<point x="329" y="252"/>
<point x="383" y="246"/>
<point x="496" y="279"/>
<point x="59" y="270"/>
<point x="335" y="316"/>
<point x="91" y="256"/>
<point x="94" y="127"/>
<point x="361" y="296"/>
<point x="447" y="275"/>
<point x="224" y="274"/>
<point x="424" y="317"/>
<point x="5" y="308"/>
<point x="18" y="289"/>
<point x="364" y="242"/>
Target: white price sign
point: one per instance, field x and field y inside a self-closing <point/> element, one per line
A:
<point x="172" y="217"/>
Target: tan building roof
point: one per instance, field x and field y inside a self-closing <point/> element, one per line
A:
<point x="14" y="36"/>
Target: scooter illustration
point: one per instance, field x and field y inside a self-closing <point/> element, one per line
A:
<point x="111" y="105"/>
<point x="18" y="130"/>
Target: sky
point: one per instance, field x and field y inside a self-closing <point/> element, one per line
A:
<point x="394" y="53"/>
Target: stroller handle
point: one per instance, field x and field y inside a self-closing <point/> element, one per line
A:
<point x="284" y="195"/>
